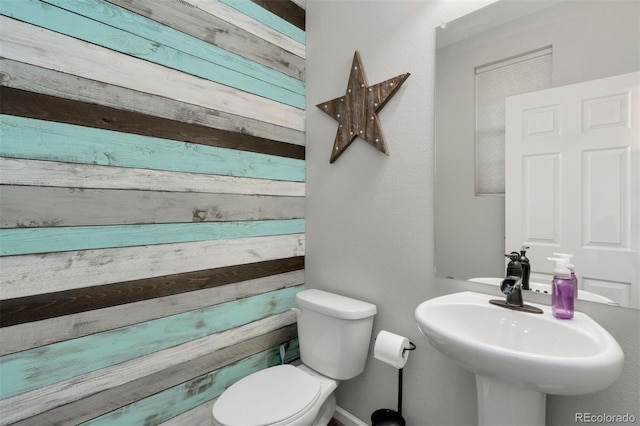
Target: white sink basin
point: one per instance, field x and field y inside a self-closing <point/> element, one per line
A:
<point x="514" y="352"/>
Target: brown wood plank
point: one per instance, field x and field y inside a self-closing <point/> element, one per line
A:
<point x="286" y="9"/>
<point x="50" y="305"/>
<point x="46" y="107"/>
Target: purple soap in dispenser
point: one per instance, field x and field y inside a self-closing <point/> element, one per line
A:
<point x="562" y="290"/>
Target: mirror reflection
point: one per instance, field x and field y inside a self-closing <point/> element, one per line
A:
<point x="537" y="144"/>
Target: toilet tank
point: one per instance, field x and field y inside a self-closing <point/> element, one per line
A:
<point x="334" y="333"/>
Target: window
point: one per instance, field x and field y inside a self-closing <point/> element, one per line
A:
<point x="523" y="73"/>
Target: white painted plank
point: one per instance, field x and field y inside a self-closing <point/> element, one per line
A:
<point x="90" y="176"/>
<point x="46" y="398"/>
<point x="28" y="77"/>
<point x="28" y="275"/>
<point x="250" y="25"/>
<point x="39" y="333"/>
<point x="27" y="43"/>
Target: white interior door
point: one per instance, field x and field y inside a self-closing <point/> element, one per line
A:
<point x="573" y="182"/>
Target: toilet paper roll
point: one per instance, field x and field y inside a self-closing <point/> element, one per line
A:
<point x="390" y="349"/>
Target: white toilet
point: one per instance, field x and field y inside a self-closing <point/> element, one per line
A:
<point x="334" y="333"/>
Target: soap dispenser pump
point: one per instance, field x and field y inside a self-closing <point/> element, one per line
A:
<point x="562" y="291"/>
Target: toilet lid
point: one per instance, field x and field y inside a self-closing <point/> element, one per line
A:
<point x="266" y="397"/>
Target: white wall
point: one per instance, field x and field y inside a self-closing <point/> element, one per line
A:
<point x="370" y="218"/>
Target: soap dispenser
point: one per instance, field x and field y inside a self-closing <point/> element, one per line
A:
<point x="562" y="291"/>
<point x="526" y="267"/>
<point x="514" y="268"/>
<point x="571" y="268"/>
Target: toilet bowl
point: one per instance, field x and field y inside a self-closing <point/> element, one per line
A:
<point x="276" y="396"/>
<point x="334" y="333"/>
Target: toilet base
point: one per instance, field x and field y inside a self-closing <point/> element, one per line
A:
<point x="327" y="411"/>
<point x="328" y="408"/>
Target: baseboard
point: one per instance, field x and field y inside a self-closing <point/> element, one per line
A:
<point x="346" y="418"/>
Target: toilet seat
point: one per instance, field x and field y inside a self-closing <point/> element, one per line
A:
<point x="267" y="397"/>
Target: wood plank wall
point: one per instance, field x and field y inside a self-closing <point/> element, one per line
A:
<point x="151" y="204"/>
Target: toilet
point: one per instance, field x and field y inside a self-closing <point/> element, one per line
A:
<point x="334" y="333"/>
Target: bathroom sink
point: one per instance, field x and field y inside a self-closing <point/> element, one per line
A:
<point x="520" y="355"/>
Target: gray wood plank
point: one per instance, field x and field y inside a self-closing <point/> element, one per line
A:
<point x="24" y="206"/>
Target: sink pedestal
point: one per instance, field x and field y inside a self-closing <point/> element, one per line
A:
<point x="501" y="403"/>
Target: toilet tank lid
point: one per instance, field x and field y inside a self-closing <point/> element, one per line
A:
<point x="335" y="305"/>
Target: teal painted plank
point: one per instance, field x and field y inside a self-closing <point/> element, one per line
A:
<point x="38" y="367"/>
<point x="180" y="399"/>
<point x="17" y="241"/>
<point x="62" y="21"/>
<point x="133" y="23"/>
<point x="260" y="14"/>
<point x="47" y="140"/>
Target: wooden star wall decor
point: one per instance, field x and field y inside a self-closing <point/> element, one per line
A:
<point x="357" y="111"/>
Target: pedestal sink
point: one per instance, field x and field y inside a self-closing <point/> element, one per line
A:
<point x="519" y="357"/>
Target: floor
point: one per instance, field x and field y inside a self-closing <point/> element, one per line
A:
<point x="334" y="422"/>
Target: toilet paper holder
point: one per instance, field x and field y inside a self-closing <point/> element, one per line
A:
<point x="410" y="348"/>
<point x="386" y="416"/>
<point x="392" y="349"/>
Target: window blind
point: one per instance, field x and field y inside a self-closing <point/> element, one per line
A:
<point x="494" y="82"/>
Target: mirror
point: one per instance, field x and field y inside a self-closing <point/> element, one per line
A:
<point x="590" y="40"/>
